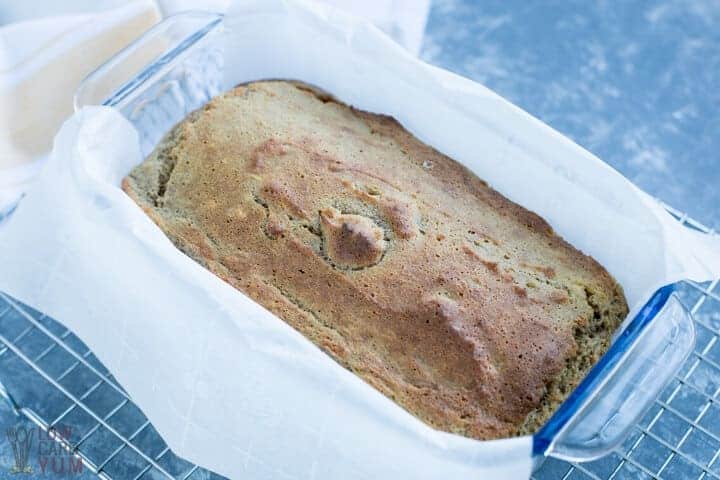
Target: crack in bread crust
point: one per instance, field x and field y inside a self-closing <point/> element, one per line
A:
<point x="460" y="305"/>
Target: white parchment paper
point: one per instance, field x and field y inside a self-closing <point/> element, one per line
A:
<point x="227" y="384"/>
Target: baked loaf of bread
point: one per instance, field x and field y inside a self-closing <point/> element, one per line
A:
<point x="461" y="306"/>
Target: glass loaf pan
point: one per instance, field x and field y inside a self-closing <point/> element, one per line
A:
<point x="177" y="66"/>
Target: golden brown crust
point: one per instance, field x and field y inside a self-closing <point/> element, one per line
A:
<point x="458" y="304"/>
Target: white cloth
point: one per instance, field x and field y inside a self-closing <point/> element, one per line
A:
<point x="42" y="62"/>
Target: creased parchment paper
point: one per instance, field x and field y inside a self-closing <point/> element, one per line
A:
<point x="227" y="384"/>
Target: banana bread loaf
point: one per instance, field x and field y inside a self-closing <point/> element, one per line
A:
<point x="461" y="306"/>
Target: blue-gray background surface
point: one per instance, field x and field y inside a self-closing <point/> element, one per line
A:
<point x="637" y="83"/>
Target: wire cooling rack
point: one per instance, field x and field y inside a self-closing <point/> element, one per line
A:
<point x="50" y="377"/>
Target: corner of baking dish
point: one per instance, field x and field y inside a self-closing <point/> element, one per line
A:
<point x="617" y="391"/>
<point x="185" y="70"/>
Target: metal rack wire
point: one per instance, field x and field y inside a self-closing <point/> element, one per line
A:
<point x="51" y="378"/>
<point x="59" y="385"/>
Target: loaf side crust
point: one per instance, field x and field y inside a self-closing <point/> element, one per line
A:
<point x="458" y="304"/>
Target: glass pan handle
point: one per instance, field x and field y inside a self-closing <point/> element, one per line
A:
<point x="616" y="393"/>
<point x="171" y="70"/>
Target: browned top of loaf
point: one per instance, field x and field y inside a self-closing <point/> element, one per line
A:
<point x="463" y="307"/>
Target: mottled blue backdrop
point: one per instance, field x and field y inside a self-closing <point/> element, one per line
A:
<point x="635" y="82"/>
